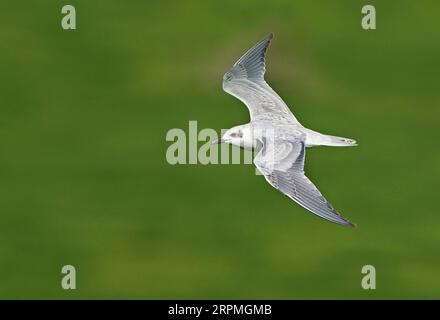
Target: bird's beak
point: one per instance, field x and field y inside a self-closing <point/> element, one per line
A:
<point x="218" y="141"/>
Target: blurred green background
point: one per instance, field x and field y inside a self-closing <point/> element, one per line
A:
<point x="84" y="179"/>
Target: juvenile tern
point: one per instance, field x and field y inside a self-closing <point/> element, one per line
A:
<point x="281" y="138"/>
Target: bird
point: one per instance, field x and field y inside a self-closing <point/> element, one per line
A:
<point x="276" y="134"/>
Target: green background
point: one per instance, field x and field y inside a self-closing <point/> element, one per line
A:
<point x="84" y="178"/>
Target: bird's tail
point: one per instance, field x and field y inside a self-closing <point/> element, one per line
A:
<point x="333" y="141"/>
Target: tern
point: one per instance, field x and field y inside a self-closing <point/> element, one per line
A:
<point x="273" y="129"/>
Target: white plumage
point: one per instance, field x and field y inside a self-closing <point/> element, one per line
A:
<point x="283" y="138"/>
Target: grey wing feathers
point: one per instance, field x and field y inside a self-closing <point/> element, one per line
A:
<point x="294" y="184"/>
<point x="245" y="81"/>
<point x="299" y="188"/>
<point x="252" y="64"/>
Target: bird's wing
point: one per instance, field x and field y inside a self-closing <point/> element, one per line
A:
<point x="245" y="81"/>
<point x="282" y="164"/>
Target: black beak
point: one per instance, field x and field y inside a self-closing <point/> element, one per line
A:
<point x="220" y="140"/>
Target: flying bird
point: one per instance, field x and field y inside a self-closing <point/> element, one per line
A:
<point x="281" y="139"/>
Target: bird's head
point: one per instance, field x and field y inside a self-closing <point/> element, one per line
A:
<point x="232" y="136"/>
<point x="240" y="136"/>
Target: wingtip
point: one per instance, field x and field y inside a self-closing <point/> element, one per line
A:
<point x="269" y="37"/>
<point x="351" y="225"/>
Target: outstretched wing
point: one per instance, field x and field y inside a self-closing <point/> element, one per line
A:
<point x="245" y="81"/>
<point x="282" y="163"/>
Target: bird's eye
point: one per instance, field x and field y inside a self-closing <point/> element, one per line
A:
<point x="238" y="134"/>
